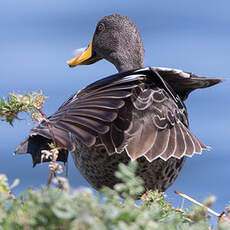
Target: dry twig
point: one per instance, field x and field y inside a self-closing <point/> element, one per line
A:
<point x="197" y="203"/>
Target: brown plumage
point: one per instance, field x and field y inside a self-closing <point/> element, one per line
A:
<point x="135" y="114"/>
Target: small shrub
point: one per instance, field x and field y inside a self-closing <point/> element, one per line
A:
<point x="53" y="208"/>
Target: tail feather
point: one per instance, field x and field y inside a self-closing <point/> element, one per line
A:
<point x="34" y="145"/>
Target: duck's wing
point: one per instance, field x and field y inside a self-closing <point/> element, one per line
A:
<point x="183" y="83"/>
<point x="86" y="115"/>
<point x="136" y="110"/>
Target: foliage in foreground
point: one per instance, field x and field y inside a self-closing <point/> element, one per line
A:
<point x="16" y="103"/>
<point x="80" y="209"/>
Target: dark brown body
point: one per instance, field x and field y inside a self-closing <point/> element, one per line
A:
<point x="98" y="168"/>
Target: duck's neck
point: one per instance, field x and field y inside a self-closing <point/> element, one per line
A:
<point x="125" y="62"/>
<point x="128" y="66"/>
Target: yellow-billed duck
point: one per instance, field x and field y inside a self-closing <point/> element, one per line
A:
<point x="138" y="113"/>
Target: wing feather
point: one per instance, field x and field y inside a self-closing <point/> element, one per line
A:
<point x="172" y="144"/>
<point x="95" y="125"/>
<point x="81" y="134"/>
<point x="181" y="144"/>
<point x="160" y="145"/>
<point x="142" y="140"/>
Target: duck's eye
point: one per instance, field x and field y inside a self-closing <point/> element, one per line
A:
<point x="101" y="27"/>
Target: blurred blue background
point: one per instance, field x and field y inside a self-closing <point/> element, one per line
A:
<point x="38" y="37"/>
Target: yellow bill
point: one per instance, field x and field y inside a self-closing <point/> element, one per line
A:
<point x="80" y="60"/>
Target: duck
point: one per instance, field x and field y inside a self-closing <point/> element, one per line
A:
<point x="137" y="114"/>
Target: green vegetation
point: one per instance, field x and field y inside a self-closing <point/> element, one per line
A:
<point x="30" y="103"/>
<point x="55" y="208"/>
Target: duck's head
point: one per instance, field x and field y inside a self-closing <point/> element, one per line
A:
<point x="115" y="39"/>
